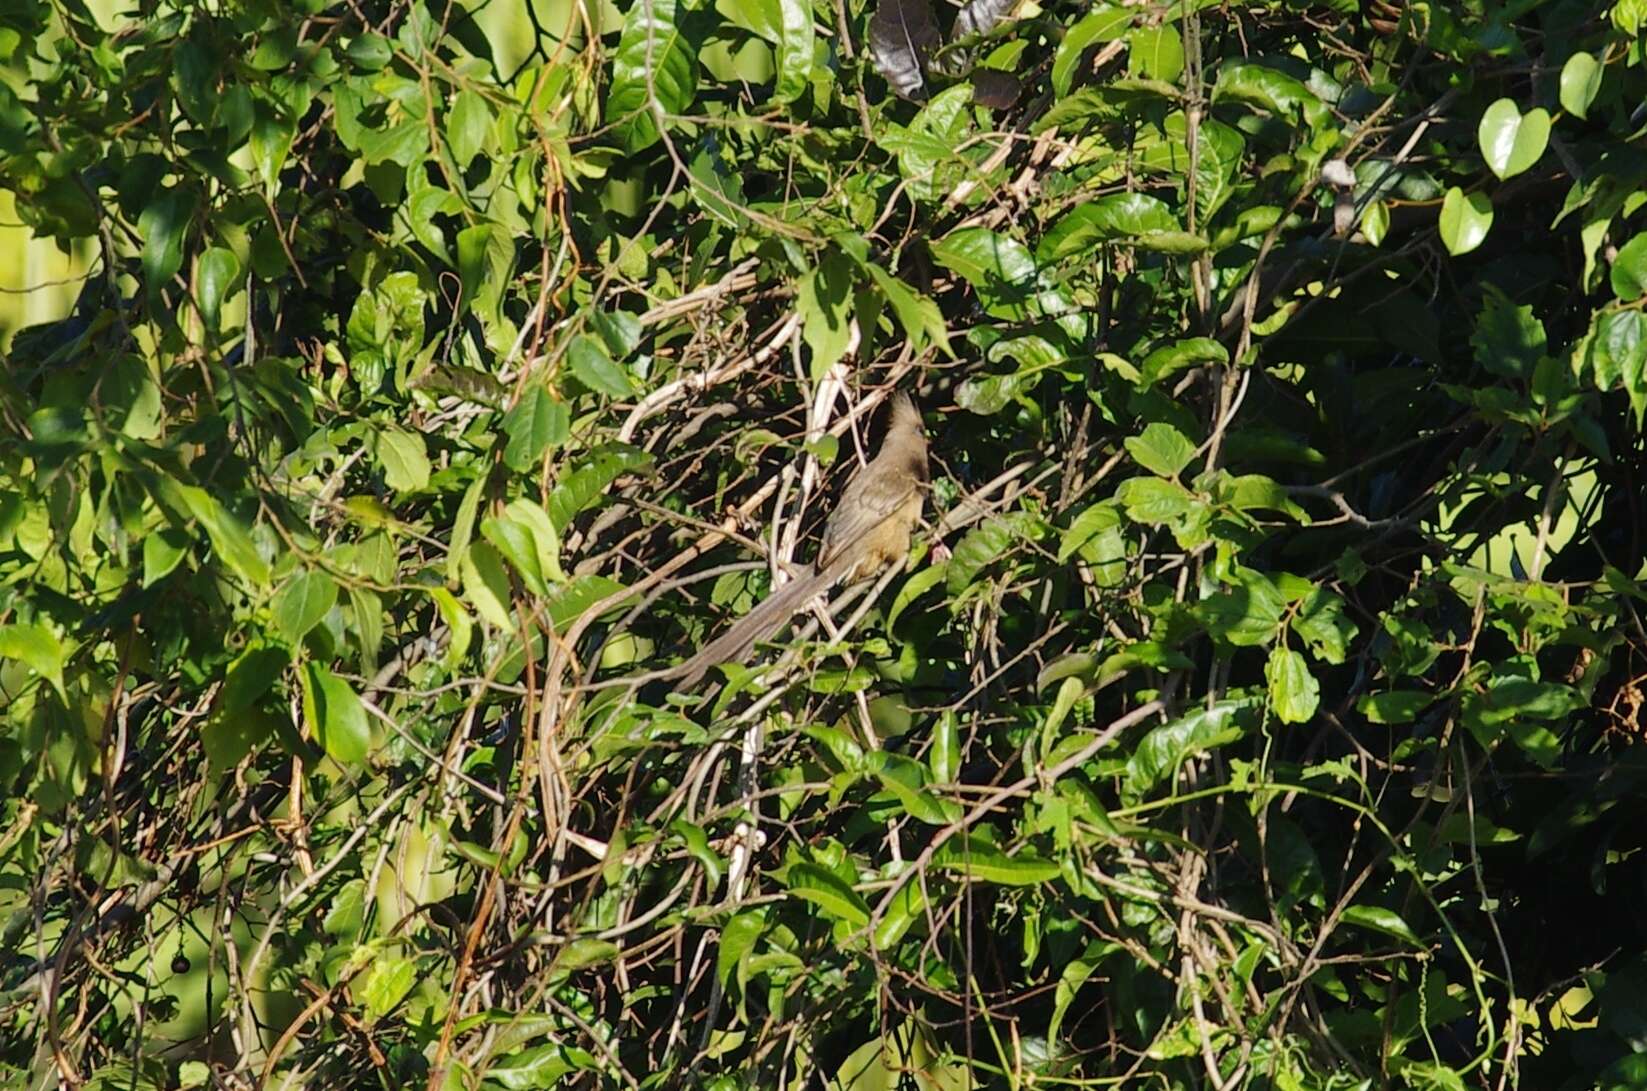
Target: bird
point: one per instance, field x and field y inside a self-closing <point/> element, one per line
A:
<point x="868" y="531"/>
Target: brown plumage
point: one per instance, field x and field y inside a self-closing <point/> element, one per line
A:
<point x="868" y="531"/>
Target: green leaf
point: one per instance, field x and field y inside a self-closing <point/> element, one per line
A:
<point x="843" y="748"/>
<point x="387" y="983"/>
<point x="1396" y="706"/>
<point x="795" y="49"/>
<point x="457" y="621"/>
<point x="1161" y="449"/>
<point x="697" y="847"/>
<point x="164" y="225"/>
<point x="828" y="892"/>
<point x="273" y="132"/>
<point x="1190" y="352"/>
<point x="1157" y="53"/>
<point x="982" y="545"/>
<point x="1256" y="492"/>
<point x="1118" y="216"/>
<point x="596" y="369"/>
<point x="1294" y="692"/>
<point x="823" y="298"/>
<point x="583" y="486"/>
<point x="307" y="597"/>
<point x="1272" y="90"/>
<point x="540" y="1067"/>
<point x="1379" y="919"/>
<point x="275" y="49"/>
<point x="907" y="907"/>
<point x="486" y="259"/>
<point x="989" y="394"/>
<point x="1375" y="222"/>
<point x="1069" y="691"/>
<point x="230" y="541"/>
<point x="1165" y="149"/>
<point x="1435" y="1076"/>
<point x="923" y="323"/>
<point x="486" y="585"/>
<point x="515" y="542"/>
<point x="619" y="331"/>
<point x="162" y="550"/>
<point x="1321" y="622"/>
<point x="1511" y="705"/>
<point x="1094" y="522"/>
<point x="404" y="460"/>
<point x="240" y="718"/>
<point x="905" y="779"/>
<point x="1616" y="348"/>
<point x="1075" y="975"/>
<point x="1160" y="753"/>
<point x="1508" y="340"/>
<point x="914" y="587"/>
<point x="215" y="279"/>
<point x="1580" y="83"/>
<point x="533" y="425"/>
<point x="981" y="861"/>
<point x="1000" y="269"/>
<point x="1465" y="220"/>
<point x="737" y="940"/>
<point x="1629" y="273"/>
<point x="37" y="647"/>
<point x="463" y="527"/>
<point x="719" y="191"/>
<point x="1510" y="140"/>
<point x="580" y="954"/>
<point x="545" y="540"/>
<point x="944" y="756"/>
<point x="1246" y="614"/>
<point x="1153" y="500"/>
<point x="1171" y="242"/>
<point x="426" y="203"/>
<point x="335" y="716"/>
<point x="1105" y="23"/>
<point x="370" y="52"/>
<point x="579" y="595"/>
<point x="654" y="72"/>
<point x="468" y="124"/>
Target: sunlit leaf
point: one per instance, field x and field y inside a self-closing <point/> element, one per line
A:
<point x="654" y="73"/>
<point x="1465" y="220"/>
<point x="1510" y="140"/>
<point x="335" y="716"/>
<point x="306" y="598"/>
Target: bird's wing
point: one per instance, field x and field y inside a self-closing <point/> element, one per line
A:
<point x="870" y="499"/>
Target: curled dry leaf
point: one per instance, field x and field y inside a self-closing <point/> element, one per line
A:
<point x="902" y="35"/>
<point x="981" y="16"/>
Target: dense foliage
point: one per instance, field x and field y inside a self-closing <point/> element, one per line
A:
<point x="1260" y="709"/>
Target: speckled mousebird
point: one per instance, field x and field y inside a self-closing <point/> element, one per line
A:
<point x="868" y="531"/>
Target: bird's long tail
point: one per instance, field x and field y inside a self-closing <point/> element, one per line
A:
<point x="761" y="623"/>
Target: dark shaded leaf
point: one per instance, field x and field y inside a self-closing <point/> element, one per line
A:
<point x="997" y="90"/>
